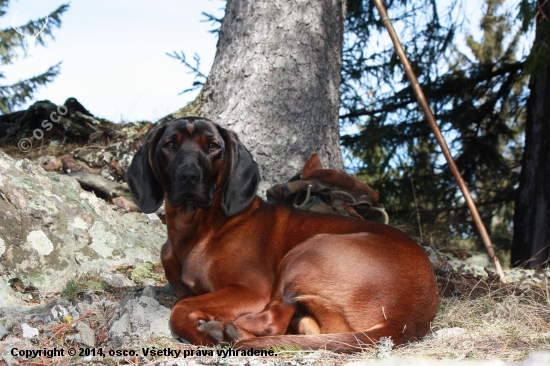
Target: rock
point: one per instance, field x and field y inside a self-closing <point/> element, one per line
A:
<point x="9" y="297"/>
<point x="85" y="335"/>
<point x="70" y="165"/>
<point x="116" y="279"/>
<point x="116" y="193"/>
<point x="46" y="319"/>
<point x="149" y="291"/>
<point x="125" y="204"/>
<point x="143" y="317"/>
<point x="121" y="327"/>
<point x="52" y="230"/>
<point x="438" y="260"/>
<point x="153" y="217"/>
<point x="3" y="332"/>
<point x="479" y="260"/>
<point x="28" y="331"/>
<point x="478" y="264"/>
<point x="7" y="346"/>
<point x="100" y="186"/>
<point x="527" y="275"/>
<point x="66" y="122"/>
<point x="148" y="282"/>
<point x="115" y="157"/>
<point x="59" y="313"/>
<point x="50" y="163"/>
<point x="102" y="147"/>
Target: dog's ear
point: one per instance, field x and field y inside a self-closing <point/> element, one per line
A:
<point x="241" y="172"/>
<point x="143" y="175"/>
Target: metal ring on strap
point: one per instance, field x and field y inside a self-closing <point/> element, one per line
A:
<point x="306" y="201"/>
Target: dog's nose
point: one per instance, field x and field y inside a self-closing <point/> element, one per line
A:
<point x="189" y="175"/>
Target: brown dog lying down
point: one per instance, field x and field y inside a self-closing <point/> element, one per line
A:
<point x="264" y="274"/>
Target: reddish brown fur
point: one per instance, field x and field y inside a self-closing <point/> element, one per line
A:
<point x="271" y="271"/>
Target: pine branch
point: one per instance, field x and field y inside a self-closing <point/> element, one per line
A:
<point x="192" y="69"/>
<point x="19" y="93"/>
<point x="12" y="39"/>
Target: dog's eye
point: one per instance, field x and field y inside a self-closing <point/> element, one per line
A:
<point x="169" y="145"/>
<point x="213" y="145"/>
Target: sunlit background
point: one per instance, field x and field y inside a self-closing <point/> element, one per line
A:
<point x="114" y="53"/>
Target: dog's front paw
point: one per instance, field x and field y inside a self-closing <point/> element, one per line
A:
<point x="218" y="333"/>
<point x="201" y="328"/>
<point x="232" y="333"/>
<point x="211" y="329"/>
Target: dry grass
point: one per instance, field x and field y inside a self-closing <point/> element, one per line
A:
<point x="507" y="329"/>
<point x="504" y="322"/>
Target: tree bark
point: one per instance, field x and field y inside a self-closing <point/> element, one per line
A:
<point x="530" y="247"/>
<point x="275" y="81"/>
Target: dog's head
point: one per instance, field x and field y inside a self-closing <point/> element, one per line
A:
<point x="192" y="159"/>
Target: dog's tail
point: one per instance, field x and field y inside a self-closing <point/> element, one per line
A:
<point x="337" y="342"/>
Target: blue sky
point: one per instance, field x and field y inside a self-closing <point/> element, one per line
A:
<point x="114" y="53"/>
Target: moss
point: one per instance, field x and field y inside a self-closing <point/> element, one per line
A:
<point x="95" y="285"/>
<point x="89" y="252"/>
<point x="36" y="279"/>
<point x="144" y="271"/>
<point x="192" y="109"/>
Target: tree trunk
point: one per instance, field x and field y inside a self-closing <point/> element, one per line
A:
<point x="275" y="81"/>
<point x="530" y="247"/>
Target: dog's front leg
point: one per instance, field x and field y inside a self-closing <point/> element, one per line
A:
<point x="172" y="269"/>
<point x="207" y="319"/>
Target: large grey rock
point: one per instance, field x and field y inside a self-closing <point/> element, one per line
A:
<point x="142" y="316"/>
<point x="3" y="331"/>
<point x="52" y="231"/>
<point x="85" y="335"/>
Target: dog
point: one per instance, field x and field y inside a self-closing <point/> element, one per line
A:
<point x="256" y="274"/>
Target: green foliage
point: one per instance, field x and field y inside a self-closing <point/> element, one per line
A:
<point x="74" y="287"/>
<point x="526" y="13"/>
<point x="478" y="102"/>
<point x="15" y="95"/>
<point x="71" y="290"/>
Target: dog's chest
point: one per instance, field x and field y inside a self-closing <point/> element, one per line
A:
<point x="195" y="268"/>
